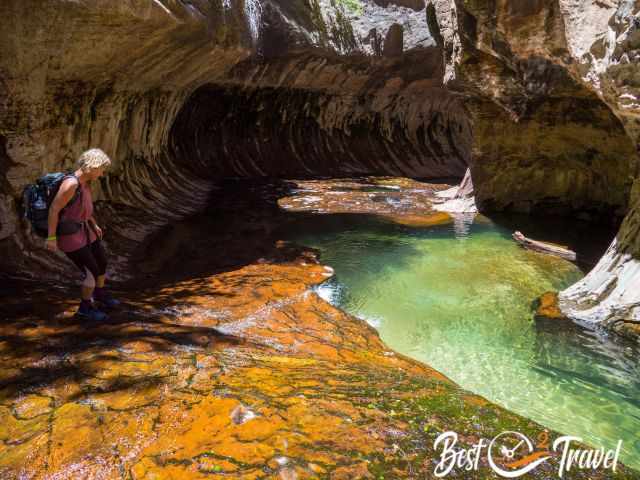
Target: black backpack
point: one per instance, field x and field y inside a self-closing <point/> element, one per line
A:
<point x="38" y="197"/>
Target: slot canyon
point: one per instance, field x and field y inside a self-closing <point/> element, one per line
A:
<point x="228" y="123"/>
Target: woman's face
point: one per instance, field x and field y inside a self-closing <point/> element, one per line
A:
<point x="96" y="173"/>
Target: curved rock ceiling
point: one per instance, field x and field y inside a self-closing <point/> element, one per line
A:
<point x="327" y="118"/>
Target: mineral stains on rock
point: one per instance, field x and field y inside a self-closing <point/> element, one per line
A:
<point x="547" y="307"/>
<point x="227" y="364"/>
<point x="246" y="373"/>
<point x="400" y="200"/>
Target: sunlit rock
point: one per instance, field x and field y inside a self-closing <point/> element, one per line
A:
<point x="242" y="414"/>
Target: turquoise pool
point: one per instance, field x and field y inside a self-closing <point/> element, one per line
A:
<point x="459" y="298"/>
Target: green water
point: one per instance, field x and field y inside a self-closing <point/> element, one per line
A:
<point x="459" y="298"/>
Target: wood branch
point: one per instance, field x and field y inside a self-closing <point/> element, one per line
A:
<point x="544" y="247"/>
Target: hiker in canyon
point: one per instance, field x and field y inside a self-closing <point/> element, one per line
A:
<point x="74" y="231"/>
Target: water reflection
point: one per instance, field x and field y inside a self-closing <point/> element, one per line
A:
<point x="462" y="224"/>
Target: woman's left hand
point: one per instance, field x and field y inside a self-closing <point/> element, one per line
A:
<point x="98" y="231"/>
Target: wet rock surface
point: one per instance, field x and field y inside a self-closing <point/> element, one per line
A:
<point x="229" y="370"/>
<point x="400" y="200"/>
<point x="547" y="308"/>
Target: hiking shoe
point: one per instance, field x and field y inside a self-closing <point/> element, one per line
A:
<point x="102" y="296"/>
<point x="91" y="314"/>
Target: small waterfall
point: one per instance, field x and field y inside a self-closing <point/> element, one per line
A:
<point x="253" y="11"/>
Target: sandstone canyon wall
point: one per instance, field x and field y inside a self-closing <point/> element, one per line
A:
<point x="565" y="76"/>
<point x="131" y="77"/>
<point x="538" y="97"/>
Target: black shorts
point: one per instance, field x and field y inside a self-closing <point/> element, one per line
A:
<point x="92" y="257"/>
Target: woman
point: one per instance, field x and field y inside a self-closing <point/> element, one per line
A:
<point x="76" y="233"/>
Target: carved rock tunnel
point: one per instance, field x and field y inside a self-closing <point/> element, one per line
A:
<point x="295" y="133"/>
<point x="393" y="127"/>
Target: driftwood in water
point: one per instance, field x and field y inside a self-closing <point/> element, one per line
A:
<point x="544" y="247"/>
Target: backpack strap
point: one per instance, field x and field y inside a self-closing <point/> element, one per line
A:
<point x="78" y="192"/>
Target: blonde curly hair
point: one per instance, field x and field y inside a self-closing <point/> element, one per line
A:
<point x="92" y="159"/>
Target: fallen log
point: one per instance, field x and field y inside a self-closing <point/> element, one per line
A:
<point x="544" y="247"/>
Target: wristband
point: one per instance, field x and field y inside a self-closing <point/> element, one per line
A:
<point x="52" y="238"/>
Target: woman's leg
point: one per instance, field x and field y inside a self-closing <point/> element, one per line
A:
<point x="85" y="261"/>
<point x="101" y="260"/>
<point x="101" y="294"/>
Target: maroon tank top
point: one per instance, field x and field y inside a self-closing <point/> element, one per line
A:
<point x="79" y="211"/>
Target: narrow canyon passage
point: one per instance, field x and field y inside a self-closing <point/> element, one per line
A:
<point x="308" y="219"/>
<point x="226" y="348"/>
